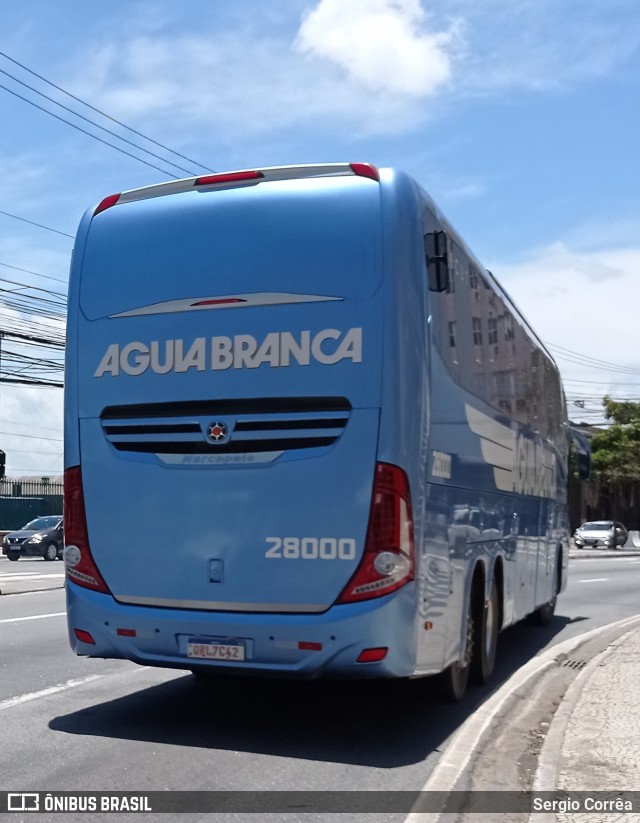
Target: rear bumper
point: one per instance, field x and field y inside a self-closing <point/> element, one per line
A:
<point x="271" y="642"/>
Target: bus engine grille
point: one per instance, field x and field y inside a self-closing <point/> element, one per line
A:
<point x="219" y="427"/>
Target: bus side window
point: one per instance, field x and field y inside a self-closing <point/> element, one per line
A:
<point x="435" y="252"/>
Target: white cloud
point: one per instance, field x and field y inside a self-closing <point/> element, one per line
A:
<point x="354" y="68"/>
<point x="380" y="44"/>
<point x="40" y="452"/>
<point x="191" y="83"/>
<point x="348" y="68"/>
<point x="582" y="301"/>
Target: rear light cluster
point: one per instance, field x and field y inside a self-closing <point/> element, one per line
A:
<point x="388" y="559"/>
<point x="78" y="561"/>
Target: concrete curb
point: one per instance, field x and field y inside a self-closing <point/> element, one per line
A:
<point x="466" y="740"/>
<point x="546" y="777"/>
<point x="581" y="554"/>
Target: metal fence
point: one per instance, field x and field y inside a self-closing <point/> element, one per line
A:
<point x="22" y="500"/>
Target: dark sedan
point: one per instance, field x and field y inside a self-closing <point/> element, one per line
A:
<point x="42" y="537"/>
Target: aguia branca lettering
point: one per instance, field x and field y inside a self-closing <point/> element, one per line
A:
<point x="277" y="349"/>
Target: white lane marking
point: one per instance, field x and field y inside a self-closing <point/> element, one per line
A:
<point x="25" y="698"/>
<point x="616" y="559"/>
<point x="35" y="591"/>
<point x="28" y="576"/>
<point x="10" y="702"/>
<point x="32" y="617"/>
<point x="594" y="580"/>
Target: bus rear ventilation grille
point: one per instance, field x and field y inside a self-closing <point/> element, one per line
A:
<point x="245" y="426"/>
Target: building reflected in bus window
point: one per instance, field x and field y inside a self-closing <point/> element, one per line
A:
<point x="505" y="369"/>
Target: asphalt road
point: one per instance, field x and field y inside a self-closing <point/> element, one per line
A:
<point x="71" y="723"/>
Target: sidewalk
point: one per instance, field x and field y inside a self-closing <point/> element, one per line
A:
<point x="593" y="743"/>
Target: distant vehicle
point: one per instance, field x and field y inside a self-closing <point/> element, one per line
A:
<point x="42" y="537"/>
<point x="608" y="533"/>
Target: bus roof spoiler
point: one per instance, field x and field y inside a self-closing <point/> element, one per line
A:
<point x="241" y="178"/>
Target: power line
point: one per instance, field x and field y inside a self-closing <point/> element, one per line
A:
<point x="599" y="382"/>
<point x="33" y="451"/>
<point x="102" y="113"/>
<point x="591" y="365"/>
<point x="39" y="225"/>
<point x="52" y="384"/>
<point x="88" y="133"/>
<point x="13" y="478"/>
<point x="22" y="285"/>
<point x="17" y="423"/>
<point x="35" y="273"/>
<point x="93" y="123"/>
<point x="592" y="362"/>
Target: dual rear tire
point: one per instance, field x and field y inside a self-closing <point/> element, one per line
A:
<point x="479" y="658"/>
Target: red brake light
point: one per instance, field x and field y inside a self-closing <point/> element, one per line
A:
<point x="228" y="177"/>
<point x="109" y="201"/>
<point x="366" y="170"/>
<point x="222" y="301"/>
<point x="79" y="564"/>
<point x="388" y="559"/>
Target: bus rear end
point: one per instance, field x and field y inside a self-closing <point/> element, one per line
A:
<point x="224" y="502"/>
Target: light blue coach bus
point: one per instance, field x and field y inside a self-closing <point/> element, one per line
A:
<point x="307" y="434"/>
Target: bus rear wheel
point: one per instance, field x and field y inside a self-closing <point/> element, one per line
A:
<point x="543" y="615"/>
<point x="483" y="659"/>
<point x="454" y="679"/>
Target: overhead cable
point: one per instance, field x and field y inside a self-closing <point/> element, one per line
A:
<point x="97" y="125"/>
<point x="39" y="225"/>
<point x="35" y="273"/>
<point x="102" y="113"/>
<point x="88" y="133"/>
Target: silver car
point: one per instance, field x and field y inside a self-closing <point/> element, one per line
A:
<point x="607" y="533"/>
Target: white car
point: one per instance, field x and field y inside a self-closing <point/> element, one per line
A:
<point x="607" y="533"/>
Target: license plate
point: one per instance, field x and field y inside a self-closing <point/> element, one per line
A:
<point x="204" y="649"/>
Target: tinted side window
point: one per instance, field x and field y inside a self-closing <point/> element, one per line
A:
<point x="487" y="349"/>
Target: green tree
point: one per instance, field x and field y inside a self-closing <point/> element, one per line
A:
<point x="615" y="453"/>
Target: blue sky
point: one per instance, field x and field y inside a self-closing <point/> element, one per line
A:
<point x="520" y="117"/>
